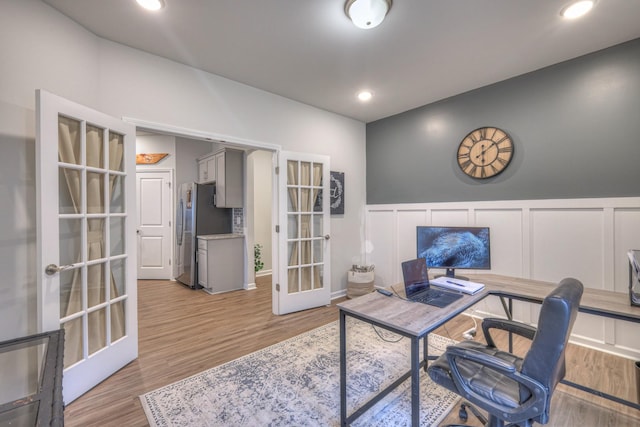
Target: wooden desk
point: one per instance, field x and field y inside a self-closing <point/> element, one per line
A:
<point x="416" y="320"/>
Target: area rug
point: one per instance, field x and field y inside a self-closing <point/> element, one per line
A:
<point x="297" y="383"/>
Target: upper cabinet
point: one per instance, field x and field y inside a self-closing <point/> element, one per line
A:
<point x="207" y="168"/>
<point x="226" y="169"/>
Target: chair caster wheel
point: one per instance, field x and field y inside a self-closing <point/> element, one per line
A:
<point x="462" y="413"/>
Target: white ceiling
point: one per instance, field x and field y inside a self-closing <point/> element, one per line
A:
<point x="307" y="50"/>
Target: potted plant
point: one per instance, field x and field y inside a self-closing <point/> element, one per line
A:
<point x="257" y="257"/>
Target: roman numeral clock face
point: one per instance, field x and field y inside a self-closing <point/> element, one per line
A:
<point x="485" y="152"/>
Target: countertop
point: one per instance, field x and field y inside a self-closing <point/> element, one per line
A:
<point x="220" y="236"/>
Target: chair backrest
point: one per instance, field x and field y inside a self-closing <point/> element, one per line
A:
<point x="545" y="359"/>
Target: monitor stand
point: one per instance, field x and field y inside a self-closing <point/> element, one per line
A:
<point x="451" y="272"/>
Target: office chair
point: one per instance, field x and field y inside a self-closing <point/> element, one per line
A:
<point x="512" y="389"/>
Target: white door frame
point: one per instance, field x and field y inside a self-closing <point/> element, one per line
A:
<point x="249" y="276"/>
<point x="171" y="180"/>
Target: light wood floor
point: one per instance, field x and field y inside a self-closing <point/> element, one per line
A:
<point x="183" y="332"/>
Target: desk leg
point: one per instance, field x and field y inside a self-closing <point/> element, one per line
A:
<point x="343" y="370"/>
<point x="425" y="352"/>
<point x="415" y="381"/>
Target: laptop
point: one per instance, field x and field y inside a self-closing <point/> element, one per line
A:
<point x="417" y="288"/>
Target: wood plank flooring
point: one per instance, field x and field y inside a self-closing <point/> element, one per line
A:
<point x="183" y="332"/>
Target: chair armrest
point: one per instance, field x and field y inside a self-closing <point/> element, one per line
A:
<point x="531" y="408"/>
<point x="511" y="326"/>
<point x="484" y="359"/>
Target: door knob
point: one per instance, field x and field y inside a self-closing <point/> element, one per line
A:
<point x="327" y="237"/>
<point x="52" y="269"/>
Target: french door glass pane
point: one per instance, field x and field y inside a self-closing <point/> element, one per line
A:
<point x="293" y="253"/>
<point x="95" y="192"/>
<point x="318" y="276"/>
<point x="116" y="226"/>
<point x="305" y="173"/>
<point x="305" y="200"/>
<point x="292" y="172"/>
<point x="317" y="226"/>
<point x="116" y="148"/>
<point x="97" y="337"/>
<point x="95" y="147"/>
<point x="317" y="197"/>
<point x="317" y="173"/>
<point x="317" y="251"/>
<point x="116" y="193"/>
<point x="292" y="227"/>
<point x="118" y="276"/>
<point x="70" y="244"/>
<point x="293" y="279"/>
<point x="95" y="238"/>
<point x="95" y="285"/>
<point x="67" y="279"/>
<point x="305" y="279"/>
<point x="117" y="320"/>
<point x="69" y="179"/>
<point x="69" y="141"/>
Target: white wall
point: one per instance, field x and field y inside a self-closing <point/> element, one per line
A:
<point x="43" y="49"/>
<point x="147" y="144"/>
<point x="539" y="239"/>
<point x="259" y="165"/>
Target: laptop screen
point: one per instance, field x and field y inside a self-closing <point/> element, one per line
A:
<point x="416" y="278"/>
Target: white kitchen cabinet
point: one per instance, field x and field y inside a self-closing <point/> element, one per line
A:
<point x="207" y="169"/>
<point x="203" y="277"/>
<point x="221" y="262"/>
<point x="229" y="178"/>
<point x="226" y="168"/>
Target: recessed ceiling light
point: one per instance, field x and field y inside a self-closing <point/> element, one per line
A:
<point x="577" y="9"/>
<point x="365" y="95"/>
<point x="151" y="4"/>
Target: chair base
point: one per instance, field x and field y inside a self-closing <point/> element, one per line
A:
<point x="492" y="421"/>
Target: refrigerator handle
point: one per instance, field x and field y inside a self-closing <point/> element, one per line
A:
<point x="180" y="224"/>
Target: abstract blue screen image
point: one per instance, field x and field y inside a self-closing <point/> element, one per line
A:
<point x="454" y="247"/>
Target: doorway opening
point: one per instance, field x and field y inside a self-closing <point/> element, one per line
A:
<point x="256" y="218"/>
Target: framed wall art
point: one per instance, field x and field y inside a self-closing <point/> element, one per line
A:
<point x="337" y="193"/>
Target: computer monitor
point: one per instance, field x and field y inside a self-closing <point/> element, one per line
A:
<point x="454" y="248"/>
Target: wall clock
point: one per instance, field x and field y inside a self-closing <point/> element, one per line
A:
<point x="485" y="152"/>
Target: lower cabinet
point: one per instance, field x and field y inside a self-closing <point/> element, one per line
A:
<point x="203" y="279"/>
<point x="221" y="262"/>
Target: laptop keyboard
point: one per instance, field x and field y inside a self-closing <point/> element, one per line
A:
<point x="437" y="297"/>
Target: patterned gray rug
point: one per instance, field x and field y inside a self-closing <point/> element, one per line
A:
<point x="297" y="383"/>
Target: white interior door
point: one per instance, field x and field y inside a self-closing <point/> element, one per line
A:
<point x="154" y="203"/>
<point x="304" y="274"/>
<point x="86" y="259"/>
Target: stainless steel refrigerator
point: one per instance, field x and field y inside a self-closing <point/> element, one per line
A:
<point x="196" y="216"/>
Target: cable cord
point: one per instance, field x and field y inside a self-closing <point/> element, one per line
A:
<point x="386" y="339"/>
<point x="397" y="294"/>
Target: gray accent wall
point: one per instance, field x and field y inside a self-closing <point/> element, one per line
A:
<point x="575" y="127"/>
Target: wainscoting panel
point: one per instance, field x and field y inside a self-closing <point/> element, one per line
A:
<point x="539" y="239"/>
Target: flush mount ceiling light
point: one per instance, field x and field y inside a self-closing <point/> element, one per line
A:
<point x="367" y="14"/>
<point x="577" y="9"/>
<point x="151" y="4"/>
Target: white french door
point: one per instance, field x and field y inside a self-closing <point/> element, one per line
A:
<point x="304" y="273"/>
<point x="154" y="213"/>
<point x="86" y="257"/>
